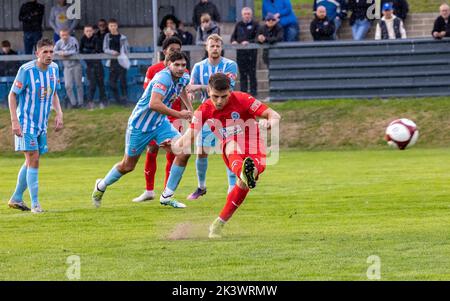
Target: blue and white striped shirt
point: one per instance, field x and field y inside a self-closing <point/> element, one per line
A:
<point x="35" y="89"/>
<point x="145" y="119"/>
<point x="203" y="70"/>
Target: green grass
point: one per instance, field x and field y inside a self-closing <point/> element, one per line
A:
<point x="314" y="215"/>
<point x="304" y="7"/>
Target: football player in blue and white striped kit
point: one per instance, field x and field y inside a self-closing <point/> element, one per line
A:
<point x="201" y="73"/>
<point x="149" y="122"/>
<point x="31" y="99"/>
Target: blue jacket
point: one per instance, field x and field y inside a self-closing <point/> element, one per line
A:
<point x="283" y="7"/>
<point x="335" y="8"/>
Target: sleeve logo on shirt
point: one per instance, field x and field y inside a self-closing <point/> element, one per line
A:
<point x="231" y="76"/>
<point x="160" y="86"/>
<point x="18" y="84"/>
<point x="255" y="106"/>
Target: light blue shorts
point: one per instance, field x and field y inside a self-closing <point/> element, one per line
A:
<point x="207" y="138"/>
<point x="136" y="141"/>
<point x="31" y="143"/>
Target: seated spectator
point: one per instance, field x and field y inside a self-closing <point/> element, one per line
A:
<point x="358" y="21"/>
<point x="322" y="29"/>
<point x="401" y="8"/>
<point x="243" y="34"/>
<point x="169" y="28"/>
<point x="283" y="12"/>
<point x="336" y="12"/>
<point x="270" y="33"/>
<point x="390" y="27"/>
<point x="441" y="28"/>
<point x="9" y="68"/>
<point x="66" y="47"/>
<point x="205" y="7"/>
<point x="90" y="44"/>
<point x="58" y="19"/>
<point x="207" y="28"/>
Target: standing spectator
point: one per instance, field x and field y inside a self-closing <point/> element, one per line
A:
<point x="322" y="29"/>
<point x="186" y="39"/>
<point x="270" y="33"/>
<point x="8" y="68"/>
<point x="282" y="10"/>
<point x="245" y="33"/>
<point x="441" y="28"/>
<point x="336" y="12"/>
<point x="205" y="7"/>
<point x="102" y="30"/>
<point x="401" y="8"/>
<point x="116" y="44"/>
<point x="207" y="28"/>
<point x="66" y="47"/>
<point x="90" y="44"/>
<point x="58" y="19"/>
<point x="358" y="21"/>
<point x="390" y="27"/>
<point x="169" y="28"/>
<point x="31" y="15"/>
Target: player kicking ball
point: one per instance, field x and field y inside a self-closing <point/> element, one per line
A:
<point x="232" y="117"/>
<point x="30" y="101"/>
<point x="149" y="122"/>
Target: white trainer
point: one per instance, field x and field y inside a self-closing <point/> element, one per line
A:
<point x="145" y="196"/>
<point x="37" y="210"/>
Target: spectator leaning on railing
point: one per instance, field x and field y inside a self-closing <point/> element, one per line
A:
<point x="322" y="29"/>
<point x="31" y="15"/>
<point x="336" y="12"/>
<point x="245" y="33"/>
<point x="441" y="28"/>
<point x="400" y="7"/>
<point x="282" y="10"/>
<point x="205" y="7"/>
<point x="102" y="30"/>
<point x="66" y="47"/>
<point x="58" y="19"/>
<point x="390" y="27"/>
<point x="207" y="28"/>
<point x="358" y="20"/>
<point x="270" y="33"/>
<point x="8" y="68"/>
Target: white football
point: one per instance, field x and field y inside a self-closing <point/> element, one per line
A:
<point x="402" y="133"/>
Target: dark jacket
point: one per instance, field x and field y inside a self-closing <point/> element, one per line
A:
<point x="245" y="32"/>
<point x="384" y="30"/>
<point x="322" y="30"/>
<point x="359" y="10"/>
<point x="273" y="35"/>
<point x="91" y="46"/>
<point x="186" y="37"/>
<point x="162" y="37"/>
<point x="31" y="15"/>
<point x="401" y="7"/>
<point x="101" y="37"/>
<point x="9" y="68"/>
<point x="202" y="8"/>
<point x="441" y="25"/>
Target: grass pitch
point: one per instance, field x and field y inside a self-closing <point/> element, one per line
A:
<point x="313" y="216"/>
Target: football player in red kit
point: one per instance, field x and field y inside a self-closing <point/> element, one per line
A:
<point x="169" y="46"/>
<point x="232" y="117"/>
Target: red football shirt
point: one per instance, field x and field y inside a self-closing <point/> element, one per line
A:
<point x="236" y="121"/>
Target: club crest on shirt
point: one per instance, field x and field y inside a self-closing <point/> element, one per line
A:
<point x="235" y="116"/>
<point x="44" y="93"/>
<point x="231" y="75"/>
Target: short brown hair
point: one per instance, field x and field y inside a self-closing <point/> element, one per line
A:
<point x="6" y="44"/>
<point x="44" y="42"/>
<point x="220" y="82"/>
<point x="177" y="55"/>
<point x="112" y="20"/>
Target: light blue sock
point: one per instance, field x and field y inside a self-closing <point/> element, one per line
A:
<point x="231" y="178"/>
<point x="33" y="185"/>
<point x="176" y="173"/>
<point x="112" y="177"/>
<point x="21" y="184"/>
<point x="202" y="166"/>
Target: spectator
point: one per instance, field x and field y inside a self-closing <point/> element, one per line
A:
<point x="270" y="33"/>
<point x="283" y="12"/>
<point x="245" y="33"/>
<point x="441" y="28"/>
<point x="58" y="20"/>
<point x="66" y="47"/>
<point x="205" y="7"/>
<point x="9" y="68"/>
<point x="390" y="27"/>
<point x="186" y="39"/>
<point x="116" y="44"/>
<point x="169" y="28"/>
<point x="336" y="12"/>
<point x="401" y="8"/>
<point x="31" y="15"/>
<point x="322" y="29"/>
<point x="90" y="44"/>
<point x="358" y="21"/>
<point x="102" y="30"/>
<point x="207" y="28"/>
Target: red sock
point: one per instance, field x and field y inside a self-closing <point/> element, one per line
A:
<point x="170" y="157"/>
<point x="235" y="161"/>
<point x="234" y="199"/>
<point x="150" y="170"/>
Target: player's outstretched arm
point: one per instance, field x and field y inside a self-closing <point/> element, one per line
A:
<point x="15" y="125"/>
<point x="271" y="119"/>
<point x="59" y="123"/>
<point x="186" y="102"/>
<point x="156" y="104"/>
